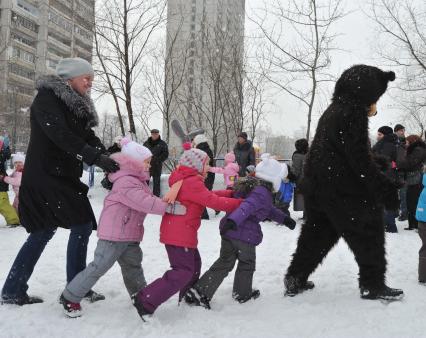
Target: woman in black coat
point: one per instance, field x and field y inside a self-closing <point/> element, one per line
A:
<point x="201" y="142"/>
<point x="51" y="193"/>
<point x="413" y="167"/>
<point x="297" y="163"/>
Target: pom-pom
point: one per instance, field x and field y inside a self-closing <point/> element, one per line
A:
<point x="124" y="141"/>
<point x="187" y="146"/>
<point x="390" y="76"/>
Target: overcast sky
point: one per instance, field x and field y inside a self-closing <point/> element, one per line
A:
<point x="359" y="36"/>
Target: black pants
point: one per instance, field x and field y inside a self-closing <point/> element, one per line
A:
<point x="322" y="231"/>
<point x="230" y="251"/>
<point x="413" y="194"/>
<point x="156" y="183"/>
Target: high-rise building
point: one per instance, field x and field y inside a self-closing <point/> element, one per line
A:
<point x="204" y="67"/>
<point x="34" y="36"/>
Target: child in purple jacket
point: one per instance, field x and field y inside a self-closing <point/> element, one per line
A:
<point x="120" y="229"/>
<point x="241" y="233"/>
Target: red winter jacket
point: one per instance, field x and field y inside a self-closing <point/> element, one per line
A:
<point x="182" y="230"/>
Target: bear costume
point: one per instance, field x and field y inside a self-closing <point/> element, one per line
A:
<point x="345" y="190"/>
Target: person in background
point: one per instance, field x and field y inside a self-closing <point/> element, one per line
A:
<point x="14" y="180"/>
<point x="229" y="171"/>
<point x="413" y="166"/>
<point x="244" y="153"/>
<point x="6" y="210"/>
<point x="421" y="218"/>
<point x="201" y="142"/>
<point x="386" y="146"/>
<point x="160" y="153"/>
<point x="296" y="176"/>
<point x="399" y="130"/>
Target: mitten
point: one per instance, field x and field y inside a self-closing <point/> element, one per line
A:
<point x="289" y="223"/>
<point x="107" y="164"/>
<point x="106" y="183"/>
<point x="176" y="209"/>
<point x="229" y="225"/>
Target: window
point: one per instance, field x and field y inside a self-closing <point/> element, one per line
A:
<point x="24" y="22"/>
<point x="82" y="32"/>
<point x="60" y="21"/>
<point x="23" y="55"/>
<point x="51" y="63"/>
<point x="26" y="40"/>
<point x="21" y="71"/>
<point x="28" y="7"/>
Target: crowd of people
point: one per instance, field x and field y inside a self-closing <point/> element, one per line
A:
<point x="345" y="188"/>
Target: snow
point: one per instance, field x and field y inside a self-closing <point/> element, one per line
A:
<point x="332" y="309"/>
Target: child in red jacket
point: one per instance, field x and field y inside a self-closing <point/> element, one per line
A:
<point x="179" y="233"/>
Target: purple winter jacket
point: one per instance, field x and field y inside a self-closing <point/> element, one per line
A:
<point x="256" y="207"/>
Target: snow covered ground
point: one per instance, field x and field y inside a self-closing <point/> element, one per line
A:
<point x="332" y="309"/>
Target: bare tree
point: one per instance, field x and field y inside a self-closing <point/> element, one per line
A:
<point x="403" y="22"/>
<point x="299" y="39"/>
<point x="123" y="31"/>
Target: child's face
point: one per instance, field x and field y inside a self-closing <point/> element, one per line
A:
<point x="147" y="164"/>
<point x="19" y="166"/>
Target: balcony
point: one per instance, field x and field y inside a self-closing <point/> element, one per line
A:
<point x="25" y="9"/>
<point x="54" y="43"/>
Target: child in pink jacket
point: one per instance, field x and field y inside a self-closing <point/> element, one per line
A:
<point x="120" y="229"/>
<point x="15" y="179"/>
<point x="229" y="171"/>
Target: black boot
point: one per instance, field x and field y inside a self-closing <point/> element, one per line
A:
<point x="143" y="313"/>
<point x="194" y="298"/>
<point x="93" y="296"/>
<point x="385" y="293"/>
<point x="294" y="286"/>
<point x="254" y="295"/>
<point x="26" y="300"/>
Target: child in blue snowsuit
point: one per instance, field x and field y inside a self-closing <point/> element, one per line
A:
<point x="421" y="218"/>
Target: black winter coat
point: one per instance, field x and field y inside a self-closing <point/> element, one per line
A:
<point x="245" y="156"/>
<point x="209" y="181"/>
<point x="51" y="193"/>
<point x="388" y="148"/>
<point x="4" y="156"/>
<point x="160" y="153"/>
<point x="413" y="162"/>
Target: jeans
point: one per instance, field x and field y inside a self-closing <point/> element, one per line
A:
<point x="16" y="284"/>
<point x="389" y="217"/>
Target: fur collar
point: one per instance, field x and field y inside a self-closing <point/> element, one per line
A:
<point x="81" y="106"/>
<point x="246" y="185"/>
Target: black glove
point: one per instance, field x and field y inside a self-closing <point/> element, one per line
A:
<point x="107" y="164"/>
<point x="229" y="225"/>
<point x="106" y="183"/>
<point x="289" y="223"/>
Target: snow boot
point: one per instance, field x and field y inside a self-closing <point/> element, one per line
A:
<point x="27" y="300"/>
<point x="194" y="298"/>
<point x="254" y="295"/>
<point x="72" y="310"/>
<point x="143" y="313"/>
<point x="384" y="293"/>
<point x="294" y="286"/>
<point x="93" y="296"/>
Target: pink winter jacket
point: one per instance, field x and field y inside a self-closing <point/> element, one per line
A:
<point x="15" y="181"/>
<point x="229" y="171"/>
<point x="128" y="203"/>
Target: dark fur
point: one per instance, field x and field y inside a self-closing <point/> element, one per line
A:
<point x="344" y="189"/>
<point x="245" y="185"/>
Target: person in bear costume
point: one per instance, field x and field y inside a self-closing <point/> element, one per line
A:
<point x="345" y="190"/>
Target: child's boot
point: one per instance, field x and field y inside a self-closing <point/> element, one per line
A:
<point x="72" y="310"/>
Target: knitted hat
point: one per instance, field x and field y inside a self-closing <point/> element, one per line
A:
<point x="229" y="158"/>
<point x="134" y="150"/>
<point x="271" y="170"/>
<point x="362" y="84"/>
<point x="194" y="158"/>
<point x="18" y="157"/>
<point x="398" y="127"/>
<point x="70" y="68"/>
<point x="385" y="130"/>
<point x="200" y="139"/>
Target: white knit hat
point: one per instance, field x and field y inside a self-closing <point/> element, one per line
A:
<point x="271" y="170"/>
<point x="18" y="157"/>
<point x="200" y="139"/>
<point x="134" y="150"/>
<point x="194" y="158"/>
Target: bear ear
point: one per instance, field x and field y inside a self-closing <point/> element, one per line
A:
<point x="390" y="76"/>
